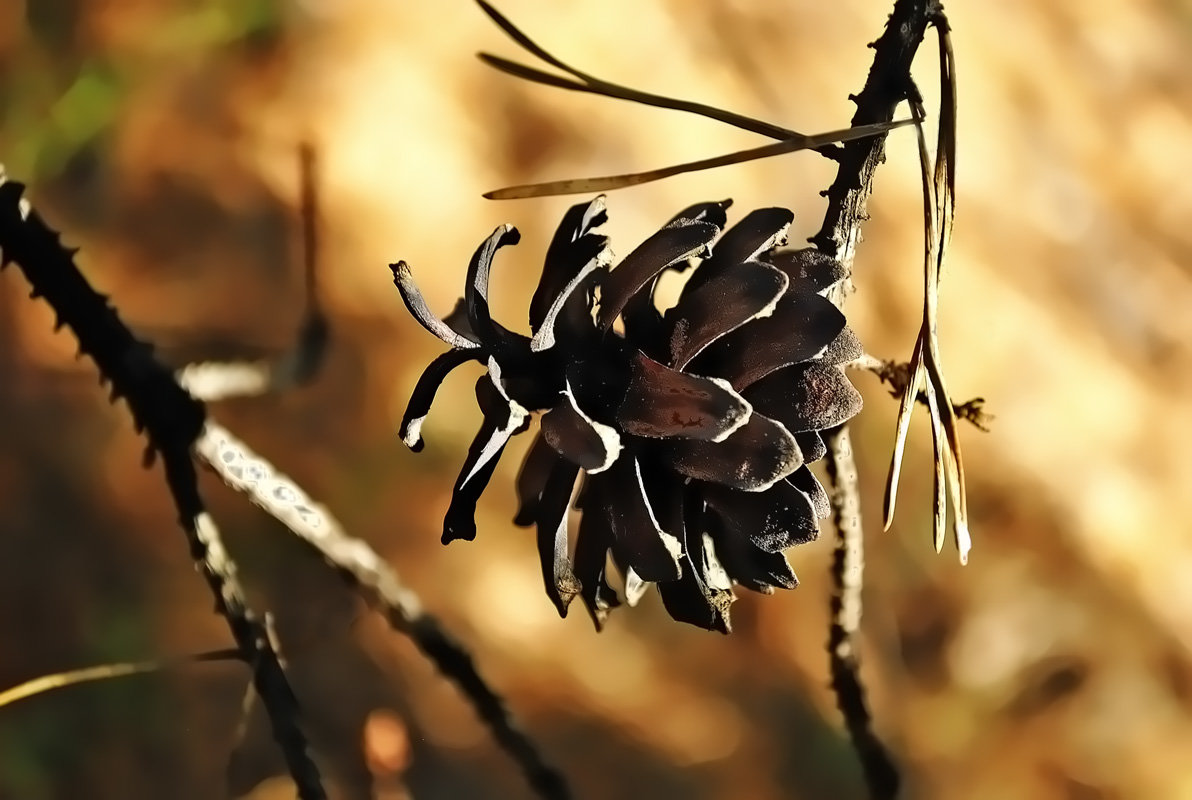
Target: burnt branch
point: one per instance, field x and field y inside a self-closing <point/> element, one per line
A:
<point x="885" y="88"/>
<point x="171" y="421"/>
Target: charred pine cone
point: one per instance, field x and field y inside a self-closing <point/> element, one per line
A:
<point x="693" y="427"/>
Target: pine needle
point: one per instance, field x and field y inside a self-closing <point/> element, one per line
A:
<point x="789" y="141"/>
<point x="101" y="672"/>
<point x="608" y="183"/>
<point x="939" y="202"/>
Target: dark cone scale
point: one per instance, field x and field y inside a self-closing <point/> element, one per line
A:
<point x="688" y="430"/>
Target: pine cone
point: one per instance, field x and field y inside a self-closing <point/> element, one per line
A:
<point x="693" y="427"/>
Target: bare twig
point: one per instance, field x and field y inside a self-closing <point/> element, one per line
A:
<point x="249" y="701"/>
<point x="214" y="380"/>
<point x="353" y="558"/>
<point x="379" y="584"/>
<point x="848" y="567"/>
<point x="171" y="420"/>
<point x="885" y="88"/>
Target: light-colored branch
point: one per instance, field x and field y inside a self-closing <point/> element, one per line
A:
<point x="379" y="584"/>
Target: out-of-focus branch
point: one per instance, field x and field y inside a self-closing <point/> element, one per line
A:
<point x="249" y="701"/>
<point x="379" y="584"/>
<point x="104" y="672"/>
<point x="352" y="558"/>
<point x="171" y="420"/>
<point x="214" y="380"/>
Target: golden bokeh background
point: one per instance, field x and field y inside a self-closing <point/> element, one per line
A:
<point x="159" y="135"/>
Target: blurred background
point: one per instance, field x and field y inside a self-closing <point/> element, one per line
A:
<point x="160" y="136"/>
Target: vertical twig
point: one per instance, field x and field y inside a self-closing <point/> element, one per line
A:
<point x="216" y="380"/>
<point x="848" y="567"/>
<point x="249" y="701"/>
<point x="304" y="360"/>
<point x="268" y="675"/>
<point x="885" y="87"/>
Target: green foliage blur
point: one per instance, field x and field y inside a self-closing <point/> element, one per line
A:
<point x="70" y="88"/>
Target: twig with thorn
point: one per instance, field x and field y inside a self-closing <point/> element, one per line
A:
<point x="354" y="559"/>
<point x="171" y="420"/>
<point x="885" y="88"/>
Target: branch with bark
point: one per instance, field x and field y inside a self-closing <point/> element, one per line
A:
<point x="171" y="420"/>
<point x="170" y="411"/>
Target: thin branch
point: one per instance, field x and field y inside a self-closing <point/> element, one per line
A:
<point x="848" y="566"/>
<point x="358" y="563"/>
<point x="171" y="420"/>
<point x="379" y="584"/>
<point x="885" y="88"/>
<point x="249" y="700"/>
<point x="215" y="380"/>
